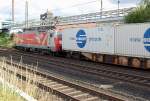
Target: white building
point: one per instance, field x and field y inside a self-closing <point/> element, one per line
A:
<point x="6" y="23"/>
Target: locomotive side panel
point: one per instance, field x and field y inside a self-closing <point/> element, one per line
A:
<point x="32" y="39"/>
<point x="48" y="41"/>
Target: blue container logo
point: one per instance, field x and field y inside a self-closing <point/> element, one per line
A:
<point x="81" y="38"/>
<point x="147" y="40"/>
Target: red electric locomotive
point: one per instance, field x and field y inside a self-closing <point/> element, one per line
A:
<point x="39" y="40"/>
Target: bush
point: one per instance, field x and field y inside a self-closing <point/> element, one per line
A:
<point x="6" y="40"/>
<point x="4" y="35"/>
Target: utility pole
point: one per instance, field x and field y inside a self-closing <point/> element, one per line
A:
<point x="26" y="13"/>
<point x="101" y="10"/>
<point x="13" y="16"/>
<point x="118" y="7"/>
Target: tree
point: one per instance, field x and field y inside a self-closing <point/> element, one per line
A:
<point x="140" y="14"/>
<point x="145" y="2"/>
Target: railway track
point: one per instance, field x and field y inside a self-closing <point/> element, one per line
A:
<point x="101" y="71"/>
<point x="134" y="79"/>
<point x="65" y="89"/>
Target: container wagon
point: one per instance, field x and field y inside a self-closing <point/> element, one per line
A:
<point x="124" y="44"/>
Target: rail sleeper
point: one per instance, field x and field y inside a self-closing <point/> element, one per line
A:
<point x="55" y="85"/>
<point x="61" y="87"/>
<point x="90" y="92"/>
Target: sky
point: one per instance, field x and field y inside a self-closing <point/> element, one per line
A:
<point x="59" y="7"/>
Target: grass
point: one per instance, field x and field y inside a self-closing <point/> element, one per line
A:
<point x="29" y="86"/>
<point x="8" y="95"/>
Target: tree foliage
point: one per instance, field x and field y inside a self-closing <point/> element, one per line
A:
<point x="145" y="2"/>
<point x="140" y="14"/>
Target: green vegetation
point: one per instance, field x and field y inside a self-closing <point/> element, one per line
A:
<point x="8" y="95"/>
<point x="5" y="40"/>
<point x="141" y="14"/>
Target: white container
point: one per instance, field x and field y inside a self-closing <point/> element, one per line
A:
<point x="92" y="40"/>
<point x="133" y="40"/>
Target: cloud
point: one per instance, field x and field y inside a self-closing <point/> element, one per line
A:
<point x="58" y="7"/>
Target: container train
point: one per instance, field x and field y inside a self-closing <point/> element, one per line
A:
<point x="119" y="44"/>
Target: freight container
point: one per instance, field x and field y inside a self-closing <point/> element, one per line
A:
<point x="133" y="40"/>
<point x="92" y="40"/>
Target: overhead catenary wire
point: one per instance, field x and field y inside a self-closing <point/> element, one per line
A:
<point x="76" y="5"/>
<point x="87" y="5"/>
